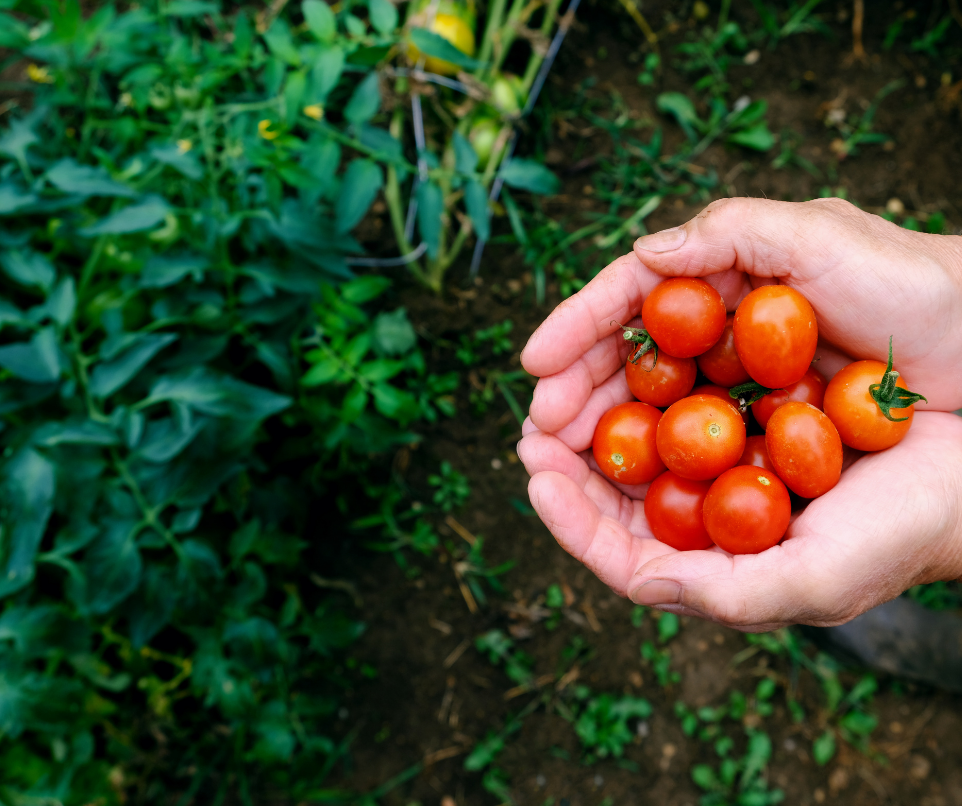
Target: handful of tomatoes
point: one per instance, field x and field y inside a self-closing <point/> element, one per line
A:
<point x="711" y="483"/>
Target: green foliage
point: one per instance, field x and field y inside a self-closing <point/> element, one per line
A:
<point x="496" y="337"/>
<point x="500" y="650"/>
<point x="660" y="662"/>
<point x="601" y="721"/>
<point x="453" y="488"/>
<point x="739" y="781"/>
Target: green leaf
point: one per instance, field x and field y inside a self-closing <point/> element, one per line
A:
<point x="280" y="43"/>
<point x="135" y="218"/>
<point x="36" y="361"/>
<point x="392" y="333"/>
<point x="324" y="371"/>
<point x="27" y="484"/>
<point x="60" y="305"/>
<point x="383" y="15"/>
<point x="484" y="752"/>
<point x="28" y="267"/>
<point x="189" y="8"/>
<point x="162" y="271"/>
<point x="110" y="376"/>
<point x="668" y="626"/>
<point x="365" y="101"/>
<point x="327" y="70"/>
<point x="756" y="137"/>
<point x="765" y="689"/>
<point x="12" y="199"/>
<point x="75" y="432"/>
<point x="394" y="403"/>
<point x="320" y="19"/>
<point x="430" y="207"/>
<point x="70" y="176"/>
<point x="465" y="157"/>
<point x="166" y="438"/>
<point x="432" y="44"/>
<point x="17" y="139"/>
<point x="680" y="107"/>
<point x="111" y="569"/>
<point x="217" y="395"/>
<point x="530" y="175"/>
<point x="823" y="748"/>
<point x="184" y="162"/>
<point x="476" y="202"/>
<point x="858" y="722"/>
<point x="705" y="778"/>
<point x="362" y="181"/>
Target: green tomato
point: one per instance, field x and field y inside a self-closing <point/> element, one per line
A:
<point x="507" y="95"/>
<point x="482" y="137"/>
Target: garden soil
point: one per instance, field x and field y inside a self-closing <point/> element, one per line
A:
<point x="435" y="696"/>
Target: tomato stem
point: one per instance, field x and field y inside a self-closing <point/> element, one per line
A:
<point x="748" y="393"/>
<point x="645" y="344"/>
<point x="889" y="396"/>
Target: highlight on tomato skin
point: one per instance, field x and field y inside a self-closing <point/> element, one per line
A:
<point x="810" y="389"/>
<point x="720" y="362"/>
<point x="624" y="443"/>
<point x="775" y="335"/>
<point x="662" y="382"/>
<point x="747" y="510"/>
<point x="673" y="508"/>
<point x="805" y="449"/>
<point x="700" y="437"/>
<point x="860" y="422"/>
<point x="684" y="315"/>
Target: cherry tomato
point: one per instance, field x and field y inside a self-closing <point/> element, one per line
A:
<point x="810" y="389"/>
<point x="670" y="380"/>
<point x="720" y="363"/>
<point x="856" y="415"/>
<point x="805" y="449"/>
<point x="452" y="21"/>
<point x="624" y="443"/>
<point x="700" y="437"/>
<point x="722" y="392"/>
<point x="775" y="335"/>
<point x="756" y="454"/>
<point x="747" y="510"/>
<point x="673" y="507"/>
<point x="684" y="315"/>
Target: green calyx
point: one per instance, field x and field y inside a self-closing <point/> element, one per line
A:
<point x="645" y="344"/>
<point x="889" y="396"/>
<point x="748" y="393"/>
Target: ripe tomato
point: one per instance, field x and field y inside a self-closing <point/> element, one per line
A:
<point x="670" y="380"/>
<point x="747" y="510"/>
<point x="700" y="437"/>
<point x="856" y="415"/>
<point x="722" y="392"/>
<point x="810" y="389"/>
<point x="775" y="335"/>
<point x="756" y="454"/>
<point x="673" y="507"/>
<point x="452" y="21"/>
<point x="720" y="363"/>
<point x="805" y="449"/>
<point x="684" y="315"/>
<point x="624" y="443"/>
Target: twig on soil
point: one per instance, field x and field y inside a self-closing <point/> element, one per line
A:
<point x="440" y="755"/>
<point x="858" y="17"/>
<point x="458" y="651"/>
<point x="568" y="677"/>
<point x="517" y="691"/>
<point x="639" y="18"/>
<point x="462" y="532"/>
<point x="440" y="626"/>
<point x="589" y="612"/>
<point x="339" y="584"/>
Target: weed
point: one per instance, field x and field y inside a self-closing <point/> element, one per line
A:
<point x="739" y="781"/>
<point x="660" y="662"/>
<point x="500" y="650"/>
<point x="471" y="348"/>
<point x="796" y="19"/>
<point x="789" y="141"/>
<point x="601" y="721"/>
<point x="453" y="488"/>
<point x="858" y="131"/>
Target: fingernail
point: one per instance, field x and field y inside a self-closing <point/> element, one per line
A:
<point x="657" y="592"/>
<point x="665" y="241"/>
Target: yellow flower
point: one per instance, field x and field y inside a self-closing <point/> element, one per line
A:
<point x="315" y="111"/>
<point x="40" y="75"/>
<point x="183" y="146"/>
<point x="264" y="129"/>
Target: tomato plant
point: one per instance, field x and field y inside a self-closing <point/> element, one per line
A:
<point x="700" y="437"/>
<point x="775" y="335"/>
<point x="747" y="510"/>
<point x="810" y="389"/>
<point x="454" y="22"/>
<point x="661" y="381"/>
<point x="756" y="454"/>
<point x="720" y="362"/>
<point x="624" y="443"/>
<point x="870" y="405"/>
<point x="805" y="449"/>
<point x="684" y="315"/>
<point x="673" y="507"/>
<point x="722" y="393"/>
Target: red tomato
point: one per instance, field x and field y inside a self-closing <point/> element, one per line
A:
<point x="856" y="415"/>
<point x="624" y="443"/>
<point x="756" y="454"/>
<point x="670" y="380"/>
<point x="747" y="510"/>
<point x="775" y="335"/>
<point x="700" y="437"/>
<point x="673" y="507"/>
<point x="684" y="315"/>
<point x="722" y="392"/>
<point x="810" y="389"/>
<point x="720" y="363"/>
<point x="805" y="449"/>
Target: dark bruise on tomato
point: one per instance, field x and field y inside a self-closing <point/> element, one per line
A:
<point x="684" y="315"/>
<point x="747" y="510"/>
<point x="624" y="443"/>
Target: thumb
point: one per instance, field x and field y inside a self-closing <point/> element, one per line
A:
<point x="764" y="238"/>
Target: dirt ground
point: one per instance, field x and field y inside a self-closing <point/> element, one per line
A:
<point x="436" y="696"/>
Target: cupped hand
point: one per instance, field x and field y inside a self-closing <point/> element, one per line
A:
<point x="866" y="279"/>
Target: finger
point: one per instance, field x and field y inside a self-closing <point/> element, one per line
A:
<point x="603" y="544"/>
<point x="579" y="433"/>
<point x="528" y="427"/>
<point x="582" y="320"/>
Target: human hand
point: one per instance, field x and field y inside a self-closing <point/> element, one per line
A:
<point x="867" y="280"/>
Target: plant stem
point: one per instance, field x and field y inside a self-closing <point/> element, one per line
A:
<point x="534" y="62"/>
<point x="493" y="24"/>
